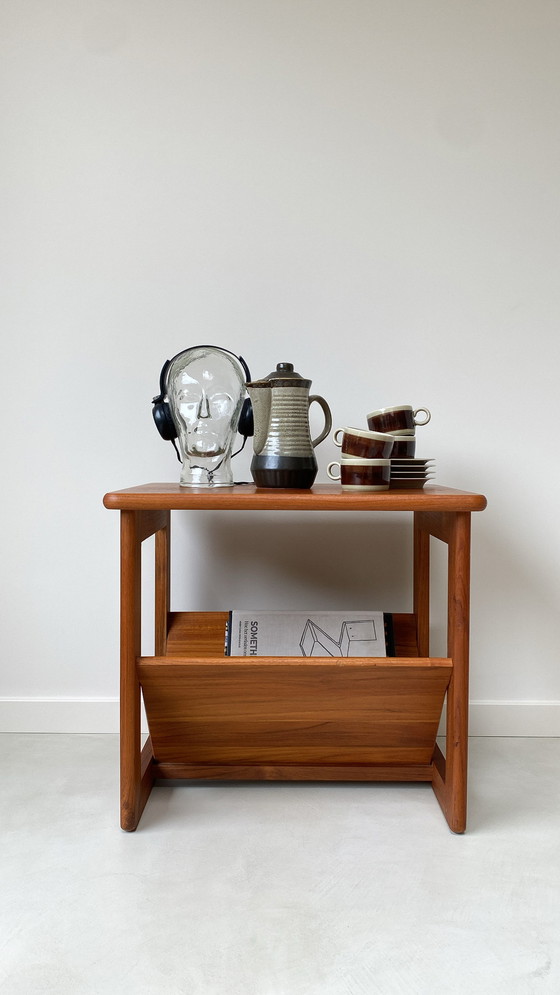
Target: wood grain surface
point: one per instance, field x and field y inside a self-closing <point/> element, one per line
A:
<point x="321" y="497"/>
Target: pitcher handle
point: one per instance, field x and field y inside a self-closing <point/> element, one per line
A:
<point x="328" y="418"/>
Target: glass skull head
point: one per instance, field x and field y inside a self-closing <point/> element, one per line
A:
<point x="205" y="391"/>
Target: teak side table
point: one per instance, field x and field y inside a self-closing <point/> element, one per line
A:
<point x="293" y="718"/>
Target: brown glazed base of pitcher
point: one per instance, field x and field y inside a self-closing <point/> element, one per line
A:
<point x="284" y="471"/>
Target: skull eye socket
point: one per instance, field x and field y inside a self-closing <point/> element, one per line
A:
<point x="189" y="396"/>
<point x="195" y="404"/>
<point x="220" y="405"/>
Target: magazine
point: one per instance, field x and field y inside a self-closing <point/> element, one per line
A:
<point x="312" y="633"/>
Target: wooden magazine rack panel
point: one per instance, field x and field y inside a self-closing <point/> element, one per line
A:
<point x="276" y="711"/>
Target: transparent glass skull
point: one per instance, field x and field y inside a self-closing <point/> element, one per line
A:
<point x="205" y="390"/>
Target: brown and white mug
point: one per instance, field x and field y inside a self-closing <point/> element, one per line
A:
<point x="362" y="443"/>
<point x="361" y="474"/>
<point x="404" y="446"/>
<point x="402" y="416"/>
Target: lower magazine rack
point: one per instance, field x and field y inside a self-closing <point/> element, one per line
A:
<point x="294" y="718"/>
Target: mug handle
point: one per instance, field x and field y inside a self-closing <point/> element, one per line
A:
<point x="337" y="437"/>
<point x="328" y="418"/>
<point x="331" y="475"/>
<point x="426" y="420"/>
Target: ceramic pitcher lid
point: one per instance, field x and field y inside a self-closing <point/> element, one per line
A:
<point x="283" y="376"/>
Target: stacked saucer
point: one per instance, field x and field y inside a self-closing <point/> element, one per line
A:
<point x="410" y="473"/>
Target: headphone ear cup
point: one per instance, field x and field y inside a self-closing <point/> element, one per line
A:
<point x="163" y="420"/>
<point x="246" y="425"/>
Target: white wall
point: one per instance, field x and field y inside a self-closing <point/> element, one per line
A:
<point x="367" y="189"/>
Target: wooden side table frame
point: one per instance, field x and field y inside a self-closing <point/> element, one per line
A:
<point x="389" y="708"/>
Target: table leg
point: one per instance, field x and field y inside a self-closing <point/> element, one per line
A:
<point x="130" y="687"/>
<point x="162" y="585"/>
<point x="136" y="764"/>
<point x="450" y="772"/>
<point x="422" y="584"/>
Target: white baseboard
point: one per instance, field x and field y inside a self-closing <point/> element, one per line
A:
<point x="101" y="715"/>
<point x="512" y="718"/>
<point x="60" y="715"/>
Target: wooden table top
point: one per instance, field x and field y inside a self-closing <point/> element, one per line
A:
<point x="321" y="497"/>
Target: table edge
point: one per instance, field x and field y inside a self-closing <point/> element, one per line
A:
<point x="321" y="497"/>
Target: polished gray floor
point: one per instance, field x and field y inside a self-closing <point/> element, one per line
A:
<point x="277" y="889"/>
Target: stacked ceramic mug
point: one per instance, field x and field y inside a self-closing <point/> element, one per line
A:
<point x="400" y="423"/>
<point x="364" y="463"/>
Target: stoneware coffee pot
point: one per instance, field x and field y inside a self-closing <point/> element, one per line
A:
<point x="283" y="448"/>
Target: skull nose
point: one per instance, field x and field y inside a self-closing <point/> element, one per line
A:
<point x="203" y="408"/>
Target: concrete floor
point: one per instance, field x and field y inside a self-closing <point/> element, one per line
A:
<point x="277" y="889"/>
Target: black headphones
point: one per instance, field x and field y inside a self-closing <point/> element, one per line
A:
<point x="161" y="411"/>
